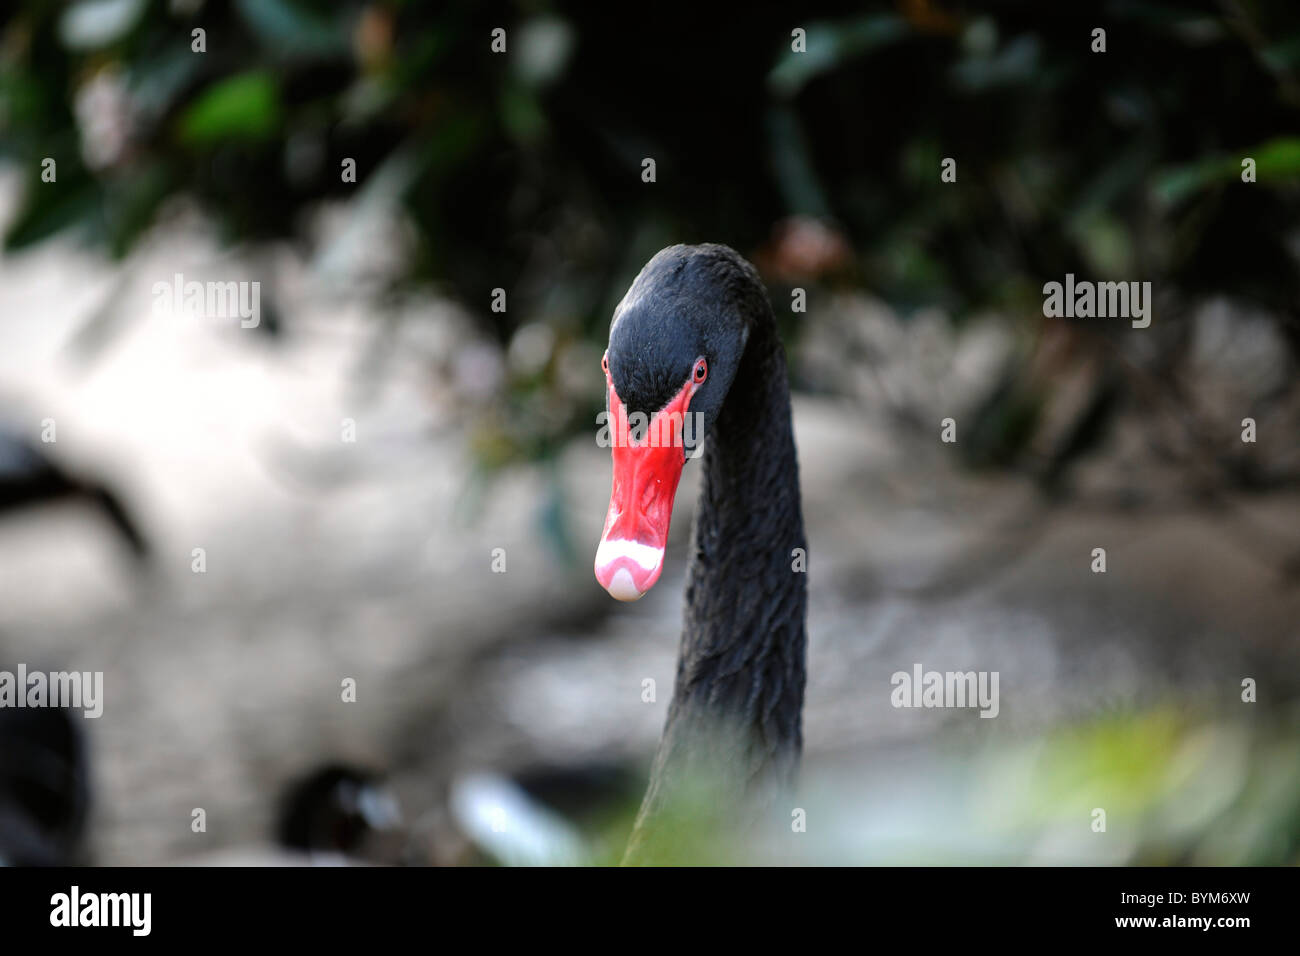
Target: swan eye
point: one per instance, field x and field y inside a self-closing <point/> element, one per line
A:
<point x="604" y="363"/>
<point x="701" y="371"/>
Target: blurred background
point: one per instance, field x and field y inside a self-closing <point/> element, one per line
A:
<point x="349" y="466"/>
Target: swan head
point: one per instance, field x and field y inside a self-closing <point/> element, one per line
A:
<point x="674" y="348"/>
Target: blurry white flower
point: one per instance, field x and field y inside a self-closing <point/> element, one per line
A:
<point x="104" y="118"/>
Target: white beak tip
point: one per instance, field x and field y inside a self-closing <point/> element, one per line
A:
<point x="621" y="587"/>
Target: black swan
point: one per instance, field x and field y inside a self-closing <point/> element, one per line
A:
<point x="694" y="351"/>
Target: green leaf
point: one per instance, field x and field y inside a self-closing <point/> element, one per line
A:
<point x="1275" y="160"/>
<point x="1018" y="63"/>
<point x="290" y="30"/>
<point x="130" y="206"/>
<point x="831" y="45"/>
<point x="1176" y="184"/>
<point x="49" y="208"/>
<point x="246" y="106"/>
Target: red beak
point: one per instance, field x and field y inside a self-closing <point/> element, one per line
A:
<point x="646" y="473"/>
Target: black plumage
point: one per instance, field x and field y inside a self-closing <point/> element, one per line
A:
<point x="734" y="724"/>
